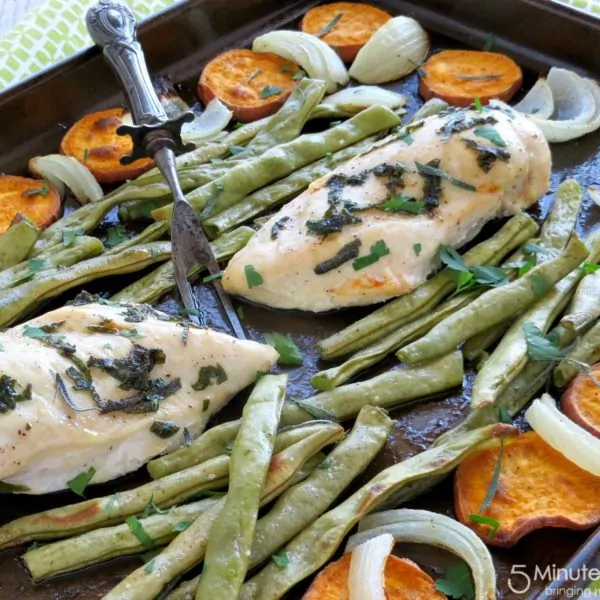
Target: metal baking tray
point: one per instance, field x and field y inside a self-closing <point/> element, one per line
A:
<point x="178" y="42"/>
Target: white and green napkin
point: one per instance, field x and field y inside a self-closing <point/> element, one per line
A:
<point x="52" y="32"/>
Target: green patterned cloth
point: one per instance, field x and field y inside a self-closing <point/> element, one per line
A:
<point x="52" y="32"/>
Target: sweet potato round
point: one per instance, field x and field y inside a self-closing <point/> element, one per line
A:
<point x="94" y="142"/>
<point x="34" y="198"/>
<point x="351" y="31"/>
<point x="404" y="580"/>
<point x="458" y="76"/>
<point x="538" y="487"/>
<point x="581" y="401"/>
<point x="245" y="80"/>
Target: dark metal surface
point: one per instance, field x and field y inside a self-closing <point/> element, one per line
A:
<point x="179" y="42"/>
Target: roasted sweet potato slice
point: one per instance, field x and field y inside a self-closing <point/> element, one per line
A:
<point x="581" y="400"/>
<point x="459" y="76"/>
<point x="538" y="487"/>
<point x="404" y="580"/>
<point x="94" y="142"/>
<point x="251" y="84"/>
<point x="345" y="26"/>
<point x="33" y="198"/>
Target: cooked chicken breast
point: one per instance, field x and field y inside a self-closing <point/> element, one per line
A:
<point x="136" y="359"/>
<point x="350" y="240"/>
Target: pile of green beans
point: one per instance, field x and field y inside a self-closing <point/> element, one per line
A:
<point x="299" y="506"/>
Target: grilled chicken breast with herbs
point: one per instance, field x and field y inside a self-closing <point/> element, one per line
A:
<point x="110" y="387"/>
<point x="371" y="229"/>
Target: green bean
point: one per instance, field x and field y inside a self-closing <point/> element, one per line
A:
<point x="162" y="280"/>
<point x="560" y="223"/>
<point x="425" y="298"/>
<point x="213" y="443"/>
<point x="374" y="353"/>
<point x="248" y="176"/>
<point x="189" y="547"/>
<point x="152" y="233"/>
<point x="510" y="356"/>
<point x="494" y="306"/>
<point x="299" y="506"/>
<point x="280" y="191"/>
<point x="83" y="247"/>
<point x="587" y="351"/>
<point x="16" y="242"/>
<point x="287" y="123"/>
<point x="91" y="514"/>
<point x="317" y="543"/>
<point x="84" y="219"/>
<point x="585" y="306"/>
<point x="21" y="300"/>
<point x="476" y="346"/>
<point x="523" y="388"/>
<point x="228" y="547"/>
<point x="388" y="389"/>
<point x="105" y="543"/>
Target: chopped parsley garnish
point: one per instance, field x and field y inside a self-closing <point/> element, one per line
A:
<point x="492" y="523"/>
<point x="417" y="249"/>
<point x="210" y="375"/>
<point x="151" y="508"/>
<point x="140" y="533"/>
<point x="182" y="526"/>
<point x="35" y="265"/>
<point x="115" y="235"/>
<point x="346" y="253"/>
<point x="9" y="394"/>
<point x="287" y="68"/>
<point x="327" y="29"/>
<point x="405" y="137"/>
<point x="457" y="583"/>
<point x="131" y="333"/>
<point x="240" y="312"/>
<point x="539" y="346"/>
<point x="325" y="465"/>
<point x="587" y="267"/>
<point x="378" y="250"/>
<point x="402" y="204"/>
<point x="78" y="484"/>
<point x="477" y="104"/>
<point x="253" y="277"/>
<point x="491" y="134"/>
<point x="43" y="191"/>
<point x="489" y="42"/>
<point x="164" y="429"/>
<point x="69" y="236"/>
<point x="539" y="284"/>
<point x="280" y="559"/>
<point x="270" y="90"/>
<point x="289" y="353"/>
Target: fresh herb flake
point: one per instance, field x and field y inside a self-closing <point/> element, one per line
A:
<point x="240" y="312"/>
<point x="491" y="491"/>
<point x="139" y="532"/>
<point x="289" y="353"/>
<point x="43" y="191"/>
<point x="327" y="29"/>
<point x="505" y="416"/>
<point x="115" y="235"/>
<point x="69" y="236"/>
<point x="346" y="253"/>
<point x="539" y="284"/>
<point x="489" y="42"/>
<point x="35" y="265"/>
<point x="490" y="133"/>
<point x="378" y="250"/>
<point x="402" y="204"/>
<point x="587" y="267"/>
<point x="539" y="346"/>
<point x="280" y="559"/>
<point x="182" y="526"/>
<point x="417" y="249"/>
<point x="452" y="259"/>
<point x="210" y="375"/>
<point x="270" y="90"/>
<point x="298" y="75"/>
<point x="457" y="583"/>
<point x="78" y="484"/>
<point x="477" y="103"/>
<point x="325" y="465"/>
<point x="482" y="77"/>
<point x="428" y="170"/>
<point x="253" y="277"/>
<point x="489" y="521"/>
